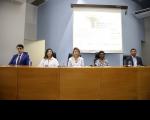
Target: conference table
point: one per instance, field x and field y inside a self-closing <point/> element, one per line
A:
<point x="74" y="83"/>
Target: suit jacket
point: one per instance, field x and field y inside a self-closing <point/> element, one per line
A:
<point x="139" y="60"/>
<point x="23" y="61"/>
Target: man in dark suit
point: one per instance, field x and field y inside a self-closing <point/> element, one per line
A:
<point x="134" y="60"/>
<point x="22" y="58"/>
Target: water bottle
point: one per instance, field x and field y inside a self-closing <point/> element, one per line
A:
<point x="63" y="64"/>
<point x="46" y="65"/>
<point x="30" y="63"/>
<point x="129" y="63"/>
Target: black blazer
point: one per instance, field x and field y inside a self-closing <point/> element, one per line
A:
<point x="139" y="60"/>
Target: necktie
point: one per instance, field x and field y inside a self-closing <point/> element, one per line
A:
<point x="18" y="61"/>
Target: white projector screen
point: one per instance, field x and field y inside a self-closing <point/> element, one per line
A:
<point x="96" y="29"/>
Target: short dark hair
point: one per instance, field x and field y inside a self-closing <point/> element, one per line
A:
<point x="47" y="52"/>
<point x="101" y="52"/>
<point x="132" y="49"/>
<point x="20" y="45"/>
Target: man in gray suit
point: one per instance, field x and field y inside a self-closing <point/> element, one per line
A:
<point x="134" y="60"/>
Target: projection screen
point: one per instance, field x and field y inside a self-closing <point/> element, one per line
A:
<point x="96" y="29"/>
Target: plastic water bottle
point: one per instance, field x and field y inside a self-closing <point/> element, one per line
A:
<point x="63" y="64"/>
<point x="129" y="63"/>
<point x="46" y="65"/>
<point x="30" y="63"/>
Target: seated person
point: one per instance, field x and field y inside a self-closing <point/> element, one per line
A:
<point x="76" y="60"/>
<point x="133" y="60"/>
<point x="49" y="60"/>
<point x="21" y="58"/>
<point x="101" y="61"/>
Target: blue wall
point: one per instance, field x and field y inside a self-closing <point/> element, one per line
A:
<point x="55" y="26"/>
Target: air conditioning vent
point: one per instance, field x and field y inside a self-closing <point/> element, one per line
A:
<point x="142" y="13"/>
<point x="36" y="2"/>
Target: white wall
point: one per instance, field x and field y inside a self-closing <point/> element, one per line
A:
<point x="146" y="44"/>
<point x="12" y="22"/>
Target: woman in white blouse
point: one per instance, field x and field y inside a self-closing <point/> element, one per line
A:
<point x="49" y="60"/>
<point x="101" y="61"/>
<point x="75" y="60"/>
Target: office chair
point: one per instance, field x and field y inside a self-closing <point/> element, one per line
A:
<point x="54" y="54"/>
<point x="69" y="55"/>
<point x="125" y="59"/>
<point x="96" y="57"/>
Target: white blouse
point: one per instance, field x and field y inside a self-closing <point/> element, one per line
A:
<point x="72" y="62"/>
<point x="49" y="62"/>
<point x="102" y="62"/>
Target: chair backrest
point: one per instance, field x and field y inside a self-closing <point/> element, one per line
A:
<point x="96" y="57"/>
<point x="54" y="54"/>
<point x="125" y="59"/>
<point x="69" y="55"/>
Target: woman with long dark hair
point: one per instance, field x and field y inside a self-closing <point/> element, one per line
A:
<point x="49" y="60"/>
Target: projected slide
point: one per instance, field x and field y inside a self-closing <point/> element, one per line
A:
<point x="97" y="29"/>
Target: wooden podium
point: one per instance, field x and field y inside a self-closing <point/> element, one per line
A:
<point x="85" y="83"/>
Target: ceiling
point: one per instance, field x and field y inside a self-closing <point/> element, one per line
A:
<point x="143" y="3"/>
